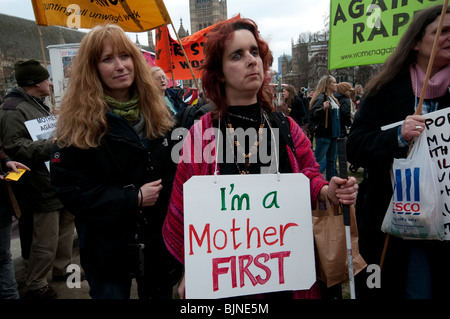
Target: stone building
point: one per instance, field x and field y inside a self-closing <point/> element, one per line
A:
<point x="205" y="13"/>
<point x="20" y="39"/>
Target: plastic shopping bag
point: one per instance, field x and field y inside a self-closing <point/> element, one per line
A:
<point x="415" y="211"/>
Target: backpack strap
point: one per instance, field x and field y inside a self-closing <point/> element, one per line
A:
<point x="188" y="115"/>
<point x="193" y="112"/>
<point x="204" y="109"/>
<point x="285" y="130"/>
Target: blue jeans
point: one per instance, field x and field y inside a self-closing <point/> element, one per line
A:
<point x="8" y="284"/>
<point x="326" y="155"/>
<point x="102" y="289"/>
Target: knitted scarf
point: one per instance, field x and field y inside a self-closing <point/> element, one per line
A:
<point x="437" y="85"/>
<point x="128" y="110"/>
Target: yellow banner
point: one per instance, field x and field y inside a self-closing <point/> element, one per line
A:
<point x="131" y="15"/>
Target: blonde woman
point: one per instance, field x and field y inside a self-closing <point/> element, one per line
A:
<point x="111" y="166"/>
<point x="324" y="111"/>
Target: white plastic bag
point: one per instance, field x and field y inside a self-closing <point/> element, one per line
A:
<point x="415" y="211"/>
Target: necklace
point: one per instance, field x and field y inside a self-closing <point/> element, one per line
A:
<point x="243" y="117"/>
<point x="240" y="150"/>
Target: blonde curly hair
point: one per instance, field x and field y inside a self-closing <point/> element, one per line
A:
<point x="82" y="117"/>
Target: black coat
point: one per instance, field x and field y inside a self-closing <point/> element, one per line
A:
<point x="344" y="112"/>
<point x="319" y="117"/>
<point x="297" y="110"/>
<point x="370" y="147"/>
<point x="94" y="186"/>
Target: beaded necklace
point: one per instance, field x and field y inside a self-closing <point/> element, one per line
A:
<point x="240" y="150"/>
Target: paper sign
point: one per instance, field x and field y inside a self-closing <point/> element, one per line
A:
<point x="42" y="129"/>
<point x="437" y="125"/>
<point x="247" y="235"/>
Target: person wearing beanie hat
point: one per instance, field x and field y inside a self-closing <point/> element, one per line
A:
<point x="29" y="72"/>
<point x="50" y="225"/>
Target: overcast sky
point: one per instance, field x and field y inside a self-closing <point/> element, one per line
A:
<point x="279" y="22"/>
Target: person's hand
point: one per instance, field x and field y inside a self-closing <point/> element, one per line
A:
<point x="326" y="105"/>
<point x="13" y="166"/>
<point x="412" y="127"/>
<point x="182" y="288"/>
<point x="342" y="190"/>
<point x="150" y="193"/>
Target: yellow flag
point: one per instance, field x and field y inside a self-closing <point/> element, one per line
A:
<point x="131" y="15"/>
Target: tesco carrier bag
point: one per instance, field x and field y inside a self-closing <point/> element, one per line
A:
<point x="415" y="210"/>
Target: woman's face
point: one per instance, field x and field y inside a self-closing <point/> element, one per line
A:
<point x="161" y="80"/>
<point x="285" y="93"/>
<point x="242" y="68"/>
<point x="116" y="71"/>
<point x="425" y="45"/>
<point x="332" y="86"/>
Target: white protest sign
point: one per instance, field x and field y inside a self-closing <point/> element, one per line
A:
<point x="42" y="129"/>
<point x="438" y="137"/>
<point x="247" y="234"/>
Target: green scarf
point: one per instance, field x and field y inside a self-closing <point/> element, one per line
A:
<point x="128" y="110"/>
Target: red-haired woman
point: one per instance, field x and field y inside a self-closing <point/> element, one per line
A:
<point x="235" y="78"/>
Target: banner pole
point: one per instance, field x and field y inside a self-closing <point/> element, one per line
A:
<point x="185" y="56"/>
<point x="326" y="111"/>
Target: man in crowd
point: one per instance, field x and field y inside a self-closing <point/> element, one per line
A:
<point x="53" y="227"/>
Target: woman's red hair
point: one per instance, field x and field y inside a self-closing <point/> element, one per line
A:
<point x="212" y="67"/>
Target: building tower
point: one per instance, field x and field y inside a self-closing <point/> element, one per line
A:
<point x="205" y="13"/>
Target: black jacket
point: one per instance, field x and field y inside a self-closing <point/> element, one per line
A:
<point x="95" y="186"/>
<point x="370" y="147"/>
<point x="319" y="117"/>
<point x="6" y="209"/>
<point x="297" y="110"/>
<point x="344" y="112"/>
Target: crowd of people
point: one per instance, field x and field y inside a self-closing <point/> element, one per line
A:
<point x="108" y="170"/>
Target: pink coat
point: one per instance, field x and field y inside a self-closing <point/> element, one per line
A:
<point x="173" y="229"/>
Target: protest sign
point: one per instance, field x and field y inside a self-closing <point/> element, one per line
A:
<point x="438" y="137"/>
<point x="132" y="16"/>
<point x="366" y="32"/>
<point x="42" y="129"/>
<point x="247" y="235"/>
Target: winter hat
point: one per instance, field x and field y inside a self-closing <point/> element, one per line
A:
<point x="29" y="72"/>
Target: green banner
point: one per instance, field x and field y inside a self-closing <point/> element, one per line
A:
<point x="367" y="31"/>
